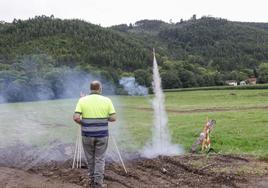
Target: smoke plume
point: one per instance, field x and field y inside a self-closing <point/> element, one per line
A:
<point x="161" y="142"/>
<point x="33" y="78"/>
<point x="37" y="132"/>
<point x="132" y="87"/>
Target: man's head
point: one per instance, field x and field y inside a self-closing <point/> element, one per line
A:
<point x="96" y="87"/>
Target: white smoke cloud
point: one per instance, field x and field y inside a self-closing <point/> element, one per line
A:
<point x="161" y="142"/>
<point x="2" y="99"/>
<point x="42" y="131"/>
<point x="132" y="87"/>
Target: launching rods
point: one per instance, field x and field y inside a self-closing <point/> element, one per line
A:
<point x="78" y="150"/>
<point x="119" y="154"/>
<point x="75" y="151"/>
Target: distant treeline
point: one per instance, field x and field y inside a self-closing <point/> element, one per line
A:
<point x="190" y="53"/>
<point x="258" y="86"/>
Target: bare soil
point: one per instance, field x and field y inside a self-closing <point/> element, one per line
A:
<point x="179" y="171"/>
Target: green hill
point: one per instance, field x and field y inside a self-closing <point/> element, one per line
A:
<point x="37" y="55"/>
<point x="221" y="44"/>
<point x="206" y="51"/>
<point x="191" y="53"/>
<point x="71" y="41"/>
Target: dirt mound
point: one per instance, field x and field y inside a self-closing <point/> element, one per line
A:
<point x="26" y="156"/>
<point x="17" y="178"/>
<point x="178" y="171"/>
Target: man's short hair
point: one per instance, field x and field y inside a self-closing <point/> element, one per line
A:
<point x="95" y="85"/>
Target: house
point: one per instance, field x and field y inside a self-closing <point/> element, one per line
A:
<point x="243" y="83"/>
<point x="252" y="81"/>
<point x="231" y="82"/>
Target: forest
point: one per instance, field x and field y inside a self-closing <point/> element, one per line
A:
<point x="38" y="54"/>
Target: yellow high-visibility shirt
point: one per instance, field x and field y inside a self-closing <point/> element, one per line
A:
<point x="95" y="106"/>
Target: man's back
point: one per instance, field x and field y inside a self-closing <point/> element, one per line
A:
<point x="93" y="112"/>
<point x="95" y="106"/>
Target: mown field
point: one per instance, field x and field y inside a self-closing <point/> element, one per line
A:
<point x="241" y="115"/>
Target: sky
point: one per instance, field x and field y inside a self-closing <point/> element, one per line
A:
<point x="114" y="12"/>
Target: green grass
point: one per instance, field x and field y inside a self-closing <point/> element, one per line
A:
<point x="216" y="99"/>
<point x="235" y="132"/>
<point x="204" y="99"/>
<point x="239" y="87"/>
<point x="239" y="129"/>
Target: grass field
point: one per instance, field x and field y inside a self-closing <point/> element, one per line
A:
<point x="241" y="115"/>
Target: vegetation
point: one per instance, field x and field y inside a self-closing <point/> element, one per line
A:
<point x="245" y="87"/>
<point x="206" y="51"/>
<point x="191" y="53"/>
<point x="241" y="117"/>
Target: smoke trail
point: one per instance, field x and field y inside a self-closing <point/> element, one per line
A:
<point x="33" y="78"/>
<point x="122" y="136"/>
<point x="36" y="133"/>
<point x="2" y="99"/>
<point x="132" y="87"/>
<point x="42" y="131"/>
<point x="39" y="132"/>
<point x="161" y="142"/>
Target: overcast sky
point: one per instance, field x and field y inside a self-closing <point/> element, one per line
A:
<point x="112" y="12"/>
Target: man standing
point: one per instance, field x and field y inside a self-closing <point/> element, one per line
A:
<point x="93" y="112"/>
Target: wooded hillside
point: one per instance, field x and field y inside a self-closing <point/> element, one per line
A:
<point x="196" y="52"/>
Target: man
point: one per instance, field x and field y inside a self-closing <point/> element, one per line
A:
<point x="93" y="112"/>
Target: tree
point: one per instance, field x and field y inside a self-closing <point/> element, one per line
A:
<point x="263" y="73"/>
<point x="170" y="79"/>
<point x="188" y="79"/>
<point x="143" y="77"/>
<point x="193" y="17"/>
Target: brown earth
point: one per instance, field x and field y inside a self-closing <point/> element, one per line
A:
<point x="179" y="171"/>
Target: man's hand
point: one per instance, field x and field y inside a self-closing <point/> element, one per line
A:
<point x="112" y="118"/>
<point x="77" y="118"/>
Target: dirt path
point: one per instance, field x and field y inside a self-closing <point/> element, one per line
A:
<point x="179" y="171"/>
<point x="202" y="109"/>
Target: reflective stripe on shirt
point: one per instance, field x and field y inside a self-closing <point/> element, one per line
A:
<point x="95" y="127"/>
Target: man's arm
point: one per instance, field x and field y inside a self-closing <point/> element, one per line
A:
<point x="111" y="111"/>
<point x="112" y="118"/>
<point x="77" y="118"/>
